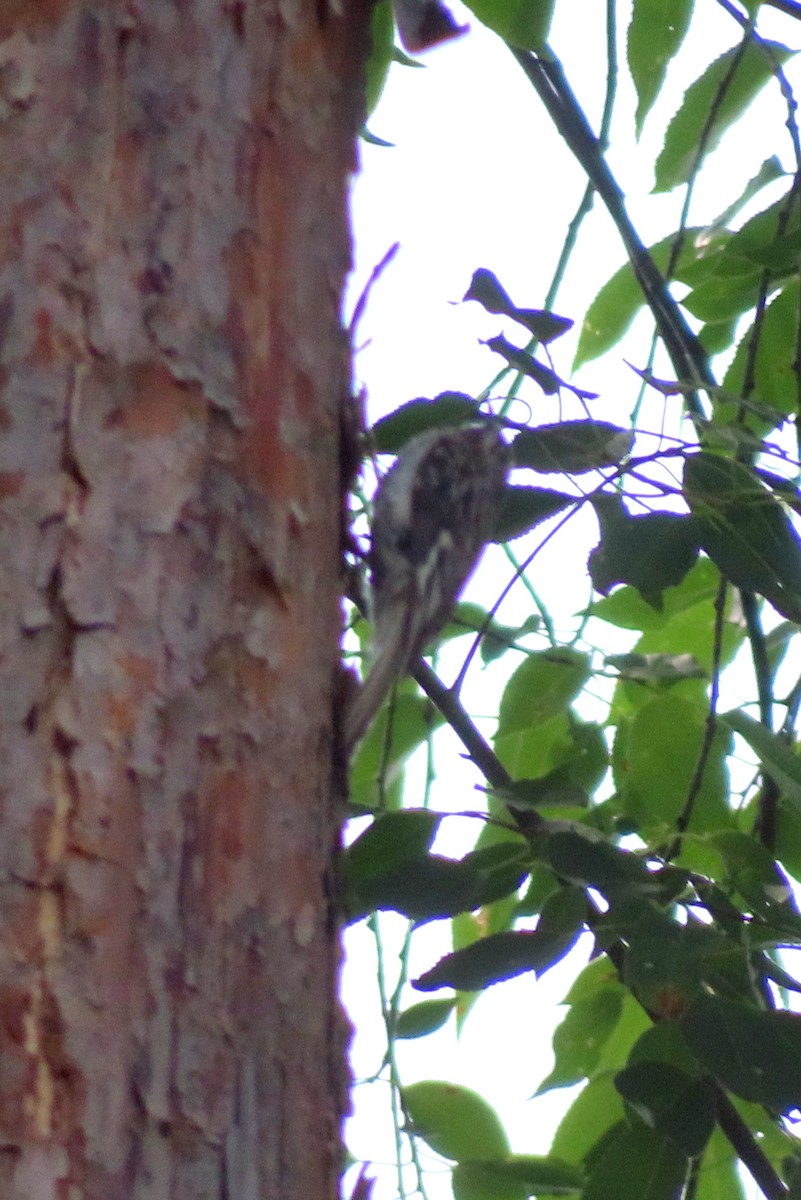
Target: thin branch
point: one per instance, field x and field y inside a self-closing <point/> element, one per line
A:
<point x="585" y="204"/>
<point x="710" y="725"/>
<point x="703" y="144"/>
<point x="449" y="705"/>
<point x="686" y="352"/>
<point x="793" y="704"/>
<point x="747" y="1148"/>
<point x="791" y="7"/>
<point x="767" y="807"/>
<point x="375" y="275"/>
<point x="528" y="822"/>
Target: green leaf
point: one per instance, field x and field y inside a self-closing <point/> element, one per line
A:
<point x="421" y="1019"/>
<point x="496" y="958"/>
<point x="504" y="955"/>
<point x="498" y="638"/>
<point x="392" y="432"/>
<point x="572" y="447"/>
<point x="718" y="1173"/>
<point x="627" y="609"/>
<point x="544" y="1174"/>
<point x="501" y="868"/>
<point x="552" y="791"/>
<point x="753" y="871"/>
<point x="786" y="491"/>
<point x="774" y="378"/>
<point x="391" y="839"/>
<point x="788" y="834"/>
<point x="542" y="687"/>
<point x="520" y="22"/>
<point x="651" y="552"/>
<point x="771" y="238"/>
<point x="610" y="314"/>
<point x="773" y="752"/>
<point x="636" y="1164"/>
<point x="678" y="1106"/>
<point x="382" y="35"/>
<point x="659" y="754"/>
<point x="717" y="337"/>
<point x="466" y="618"/>
<point x="482" y="1181"/>
<point x="655" y="34"/>
<point x="469" y="619"/>
<point x="756" y="1054"/>
<point x="376" y="776"/>
<point x="770" y="170"/>
<point x="533" y="751"/>
<point x="664" y="1043"/>
<point x="542" y="884"/>
<point x="565" y="759"/>
<point x="656" y="668"/>
<point x="598" y="973"/>
<point x="526" y="364"/>
<point x="487" y="290"/>
<point x="585" y="760"/>
<point x="632" y="1024"/>
<point x="711" y="105"/>
<point x="421" y="27"/>
<point x="372" y="139"/>
<point x="523" y="508"/>
<point x="592" y="1114"/>
<point x="777" y="1143"/>
<point x="722" y="299"/>
<point x="583" y="857"/>
<point x="423" y="888"/>
<point x="620" y="299"/>
<point x="745" y="530"/>
<point x="455" y="1121"/>
<point x="531" y="1174"/>
<point x="579" y="1040"/>
<point x="692" y="630"/>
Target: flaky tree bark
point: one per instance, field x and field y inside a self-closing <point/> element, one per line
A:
<point x="173" y="242"/>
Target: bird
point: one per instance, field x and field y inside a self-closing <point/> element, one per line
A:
<point x="433" y="513"/>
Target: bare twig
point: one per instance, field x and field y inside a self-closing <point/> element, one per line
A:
<point x="686" y="352"/>
<point x="747" y="1148"/>
<point x="791" y="7"/>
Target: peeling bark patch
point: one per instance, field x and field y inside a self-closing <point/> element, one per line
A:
<point x="236" y="14"/>
<point x="228" y="840"/>
<point x="29" y="14"/>
<point x="11" y="483"/>
<point x="41" y="1023"/>
<point x="305" y="926"/>
<point x="124" y="706"/>
<point x="88" y="41"/>
<point x="156" y="404"/>
<point x="40" y="1101"/>
<point x="63" y="794"/>
<point x="6" y="314"/>
<point x="54" y="1102"/>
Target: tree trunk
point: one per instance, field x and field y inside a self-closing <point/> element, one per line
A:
<point x="173" y="242"/>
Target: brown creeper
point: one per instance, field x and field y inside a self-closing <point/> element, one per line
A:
<point x="432" y="514"/>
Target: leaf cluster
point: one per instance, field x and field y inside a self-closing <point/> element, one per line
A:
<point x="665" y="828"/>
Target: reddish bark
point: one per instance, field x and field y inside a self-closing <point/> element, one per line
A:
<point x="173" y="242"/>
